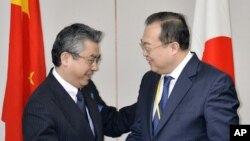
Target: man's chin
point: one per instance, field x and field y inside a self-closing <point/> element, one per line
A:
<point x="155" y="70"/>
<point x="85" y="83"/>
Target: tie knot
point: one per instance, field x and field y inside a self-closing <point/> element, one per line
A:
<point x="167" y="80"/>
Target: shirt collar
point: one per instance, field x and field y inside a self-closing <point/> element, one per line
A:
<point x="72" y="91"/>
<point x="177" y="71"/>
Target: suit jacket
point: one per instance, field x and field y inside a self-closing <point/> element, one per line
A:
<point x="202" y="105"/>
<point x="52" y="115"/>
<point x="115" y="123"/>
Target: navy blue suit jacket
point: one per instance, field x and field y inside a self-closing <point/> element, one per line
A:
<point x="202" y="105"/>
<point x="52" y="115"/>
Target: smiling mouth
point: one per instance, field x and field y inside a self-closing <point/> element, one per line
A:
<point x="89" y="75"/>
<point x="149" y="61"/>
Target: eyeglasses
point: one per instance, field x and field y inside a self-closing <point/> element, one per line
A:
<point x="90" y="59"/>
<point x="149" y="49"/>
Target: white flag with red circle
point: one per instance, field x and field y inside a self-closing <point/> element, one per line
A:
<point x="211" y="36"/>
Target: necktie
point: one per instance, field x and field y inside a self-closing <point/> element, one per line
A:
<point x="164" y="97"/>
<point x="80" y="102"/>
<point x="162" y="103"/>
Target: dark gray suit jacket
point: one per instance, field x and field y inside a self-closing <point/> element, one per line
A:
<point x="202" y="105"/>
<point x="52" y="115"/>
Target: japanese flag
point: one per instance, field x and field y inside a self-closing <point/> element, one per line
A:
<point x="211" y="35"/>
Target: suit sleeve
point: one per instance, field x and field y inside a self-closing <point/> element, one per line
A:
<point x="221" y="109"/>
<point x="136" y="128"/>
<point x="115" y="122"/>
<point x="36" y="123"/>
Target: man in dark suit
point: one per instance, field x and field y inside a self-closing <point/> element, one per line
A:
<point x="197" y="102"/>
<point x="114" y="123"/>
<point x="67" y="106"/>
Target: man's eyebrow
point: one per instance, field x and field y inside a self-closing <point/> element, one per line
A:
<point x="96" y="56"/>
<point x="144" y="43"/>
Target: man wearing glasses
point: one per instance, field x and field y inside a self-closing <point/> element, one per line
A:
<point x="180" y="98"/>
<point x="67" y="106"/>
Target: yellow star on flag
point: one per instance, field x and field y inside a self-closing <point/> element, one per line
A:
<point x="23" y="3"/>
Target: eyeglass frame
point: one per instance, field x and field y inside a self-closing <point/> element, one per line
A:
<point x="149" y="49"/>
<point x="90" y="59"/>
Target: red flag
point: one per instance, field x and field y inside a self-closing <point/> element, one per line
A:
<point x="26" y="66"/>
<point x="212" y="34"/>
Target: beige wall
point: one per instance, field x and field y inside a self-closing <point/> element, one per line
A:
<point x="122" y="21"/>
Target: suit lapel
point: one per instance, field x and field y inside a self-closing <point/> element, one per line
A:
<point x="179" y="91"/>
<point x="69" y="108"/>
<point x="181" y="88"/>
<point x="94" y="114"/>
<point x="151" y="92"/>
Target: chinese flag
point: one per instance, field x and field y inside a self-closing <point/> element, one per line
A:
<point x="26" y="66"/>
<point x="212" y="34"/>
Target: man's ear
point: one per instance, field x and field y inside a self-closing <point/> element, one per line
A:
<point x="175" y="46"/>
<point x="65" y="58"/>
